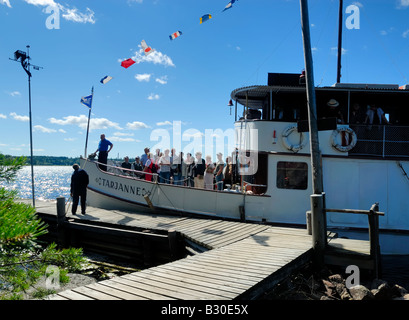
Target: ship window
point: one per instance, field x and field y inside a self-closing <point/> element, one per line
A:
<point x="292" y="175"/>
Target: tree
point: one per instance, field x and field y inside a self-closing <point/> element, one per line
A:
<point x="9" y="167"/>
<point x="22" y="259"/>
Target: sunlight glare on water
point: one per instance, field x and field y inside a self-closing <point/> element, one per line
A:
<point x="50" y="182"/>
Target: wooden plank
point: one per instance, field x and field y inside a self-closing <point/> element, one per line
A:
<point x="171" y="287"/>
<point x="202" y="278"/>
<point x="72" y="295"/>
<point x="185" y="281"/>
<point x="116" y="292"/>
<point x="144" y="290"/>
<point x="235" y="280"/>
<point x="55" y="297"/>
<point x="95" y="294"/>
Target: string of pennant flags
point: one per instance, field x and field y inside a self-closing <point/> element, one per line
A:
<point x="149" y="50"/>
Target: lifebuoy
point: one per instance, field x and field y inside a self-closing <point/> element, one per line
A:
<point x="293" y="147"/>
<point x="352" y="140"/>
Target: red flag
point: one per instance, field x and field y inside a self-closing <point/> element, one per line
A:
<point x="127" y="63"/>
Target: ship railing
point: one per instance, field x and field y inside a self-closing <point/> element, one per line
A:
<point x="373" y="229"/>
<point x="381" y="140"/>
<point x="120" y="171"/>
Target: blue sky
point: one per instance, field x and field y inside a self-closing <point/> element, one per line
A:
<point x="186" y="81"/>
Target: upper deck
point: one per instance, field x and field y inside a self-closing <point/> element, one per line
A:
<point x="273" y="108"/>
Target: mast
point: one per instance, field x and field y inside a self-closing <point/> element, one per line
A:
<point x="340" y="22"/>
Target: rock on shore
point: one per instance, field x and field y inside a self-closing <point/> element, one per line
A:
<point x="326" y="286"/>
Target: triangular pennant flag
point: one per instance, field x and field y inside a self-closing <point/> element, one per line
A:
<point x="229" y="5"/>
<point x="87" y="101"/>
<point x="106" y="79"/>
<point x="146" y="49"/>
<point x="127" y="63"/>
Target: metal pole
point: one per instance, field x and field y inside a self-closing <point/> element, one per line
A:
<point x="31" y="125"/>
<point x="317" y="201"/>
<point x="341" y="8"/>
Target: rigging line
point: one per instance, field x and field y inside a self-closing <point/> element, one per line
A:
<point x="403" y="170"/>
<point x="384" y="47"/>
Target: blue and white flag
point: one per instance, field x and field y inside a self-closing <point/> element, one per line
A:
<point x="229" y="5"/>
<point x="87" y="101"/>
<point x="106" y="79"/>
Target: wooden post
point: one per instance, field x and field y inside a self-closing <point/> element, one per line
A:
<point x="317" y="201"/>
<point x="173" y="244"/>
<point x="60" y="210"/>
<point x="373" y="220"/>
<point x="62" y="238"/>
<point x="319" y="236"/>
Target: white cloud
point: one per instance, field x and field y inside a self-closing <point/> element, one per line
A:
<point x="404" y="3"/>
<point x="70" y="14"/>
<point x="19" y="118"/>
<point x="153" y="96"/>
<point x="120" y="139"/>
<point x="164" y="123"/>
<point x="82" y="121"/>
<point x="44" y="129"/>
<point x="123" y="134"/>
<point x="75" y="16"/>
<point x="156" y="57"/>
<point x="6" y="2"/>
<point x="335" y="49"/>
<point x="162" y="80"/>
<point x="136" y="125"/>
<point x="358" y="4"/>
<point x="15" y="93"/>
<point x="3" y="116"/>
<point x="143" y="77"/>
<point x="406" y="34"/>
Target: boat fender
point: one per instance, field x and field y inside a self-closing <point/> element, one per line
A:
<point x="353" y="139"/>
<point x="293" y="147"/>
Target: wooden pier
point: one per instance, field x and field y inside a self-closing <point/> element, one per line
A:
<point x="233" y="260"/>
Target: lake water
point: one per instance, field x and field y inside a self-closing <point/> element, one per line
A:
<point x="50" y="182"/>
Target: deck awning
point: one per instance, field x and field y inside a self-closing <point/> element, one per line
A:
<point x="256" y="96"/>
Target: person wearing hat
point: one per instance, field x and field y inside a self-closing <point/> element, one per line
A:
<point x="219" y="171"/>
<point x="79" y="183"/>
<point x="334" y="111"/>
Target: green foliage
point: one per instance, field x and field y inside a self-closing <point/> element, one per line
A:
<point x="22" y="261"/>
<point x="9" y="167"/>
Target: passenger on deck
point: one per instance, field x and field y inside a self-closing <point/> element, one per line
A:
<point x="198" y="171"/>
<point x="148" y="167"/>
<point x="228" y="172"/>
<point x="164" y="163"/>
<point x="333" y="111"/>
<point x="126" y="165"/>
<point x="190" y="162"/>
<point x="375" y="115"/>
<point x="137" y="166"/>
<point x="357" y="115"/>
<point x="144" y="157"/>
<point x="209" y="174"/>
<point x="219" y="171"/>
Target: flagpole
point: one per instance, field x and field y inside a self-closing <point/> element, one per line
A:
<point x="89" y="116"/>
